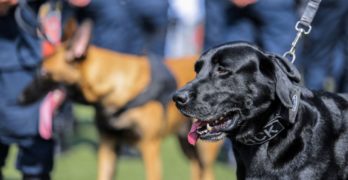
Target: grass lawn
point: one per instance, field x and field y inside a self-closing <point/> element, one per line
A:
<point x="79" y="163"/>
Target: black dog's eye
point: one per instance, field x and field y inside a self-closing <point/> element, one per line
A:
<point x="221" y="71"/>
<point x="198" y="66"/>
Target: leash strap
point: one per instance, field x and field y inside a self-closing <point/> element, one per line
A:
<point x="303" y="27"/>
<point x="310" y="11"/>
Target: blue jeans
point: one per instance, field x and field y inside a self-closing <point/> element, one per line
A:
<point x="323" y="47"/>
<point x="268" y="23"/>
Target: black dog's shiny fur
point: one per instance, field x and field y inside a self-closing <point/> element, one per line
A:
<point x="239" y="76"/>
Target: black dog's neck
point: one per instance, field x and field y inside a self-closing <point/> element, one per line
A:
<point x="266" y="127"/>
<point x="269" y="124"/>
<point x="245" y="152"/>
<point x="272" y="150"/>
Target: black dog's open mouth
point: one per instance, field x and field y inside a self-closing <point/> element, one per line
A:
<point x="212" y="130"/>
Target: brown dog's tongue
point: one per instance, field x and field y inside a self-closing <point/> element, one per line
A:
<point x="192" y="136"/>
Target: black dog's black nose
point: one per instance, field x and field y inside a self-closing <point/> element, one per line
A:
<point x="181" y="97"/>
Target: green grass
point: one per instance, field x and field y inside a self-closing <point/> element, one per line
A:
<point x="80" y="162"/>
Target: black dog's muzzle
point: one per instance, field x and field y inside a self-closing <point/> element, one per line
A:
<point x="182" y="97"/>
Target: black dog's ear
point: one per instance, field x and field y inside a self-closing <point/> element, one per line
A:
<point x="286" y="77"/>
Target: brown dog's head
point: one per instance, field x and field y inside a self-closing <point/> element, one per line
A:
<point x="236" y="86"/>
<point x="62" y="67"/>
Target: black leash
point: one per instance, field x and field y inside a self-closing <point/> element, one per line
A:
<point x="303" y="27"/>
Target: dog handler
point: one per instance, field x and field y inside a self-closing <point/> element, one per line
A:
<point x="267" y="23"/>
<point x="21" y="53"/>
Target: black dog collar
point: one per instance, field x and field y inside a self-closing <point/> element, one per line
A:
<point x="275" y="126"/>
<point x="270" y="131"/>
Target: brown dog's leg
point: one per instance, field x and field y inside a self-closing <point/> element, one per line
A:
<point x="195" y="169"/>
<point x="202" y="157"/>
<point x="151" y="155"/>
<point x="208" y="152"/>
<point x="202" y="167"/>
<point x="192" y="154"/>
<point x="106" y="159"/>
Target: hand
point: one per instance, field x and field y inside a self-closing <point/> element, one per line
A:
<point x="79" y="3"/>
<point x="243" y="3"/>
<point x="5" y="5"/>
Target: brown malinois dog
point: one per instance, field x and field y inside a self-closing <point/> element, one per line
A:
<point x="132" y="100"/>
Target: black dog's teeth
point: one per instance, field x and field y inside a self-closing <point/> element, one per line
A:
<point x="202" y="130"/>
<point x="211" y="126"/>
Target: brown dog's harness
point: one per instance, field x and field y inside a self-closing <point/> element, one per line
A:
<point x="160" y="88"/>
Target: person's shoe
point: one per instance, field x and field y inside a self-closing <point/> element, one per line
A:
<point x="36" y="177"/>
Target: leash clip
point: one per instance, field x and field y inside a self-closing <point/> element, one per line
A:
<point x="291" y="55"/>
<point x="302" y="29"/>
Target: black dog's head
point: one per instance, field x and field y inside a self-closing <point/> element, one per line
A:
<point x="236" y="85"/>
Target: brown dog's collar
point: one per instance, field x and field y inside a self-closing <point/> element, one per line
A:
<point x="276" y="125"/>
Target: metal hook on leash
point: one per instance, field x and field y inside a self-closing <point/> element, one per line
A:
<point x="303" y="27"/>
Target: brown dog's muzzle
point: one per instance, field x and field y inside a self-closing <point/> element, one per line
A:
<point x="38" y="88"/>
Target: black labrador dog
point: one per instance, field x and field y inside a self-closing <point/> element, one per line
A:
<point x="279" y="129"/>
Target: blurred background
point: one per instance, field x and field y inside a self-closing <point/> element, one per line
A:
<point x="30" y="30"/>
<point x="79" y="160"/>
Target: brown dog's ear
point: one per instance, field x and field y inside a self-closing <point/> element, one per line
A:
<point x="286" y="77"/>
<point x="69" y="29"/>
<point x="78" y="46"/>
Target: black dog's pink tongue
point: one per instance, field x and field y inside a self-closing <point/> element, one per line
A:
<point x="193" y="136"/>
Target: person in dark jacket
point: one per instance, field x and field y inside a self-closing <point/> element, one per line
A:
<point x="325" y="51"/>
<point x="133" y="26"/>
<point x="267" y="23"/>
<point x="20" y="55"/>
